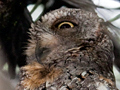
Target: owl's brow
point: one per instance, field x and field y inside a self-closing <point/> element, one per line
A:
<point x="42" y="28"/>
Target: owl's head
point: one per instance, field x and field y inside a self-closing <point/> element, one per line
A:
<point x="63" y="29"/>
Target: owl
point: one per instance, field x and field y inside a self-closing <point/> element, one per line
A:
<point x="68" y="50"/>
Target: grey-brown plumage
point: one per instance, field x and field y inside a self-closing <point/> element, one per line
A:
<point x="72" y="51"/>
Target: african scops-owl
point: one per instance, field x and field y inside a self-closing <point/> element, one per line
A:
<point x="68" y="50"/>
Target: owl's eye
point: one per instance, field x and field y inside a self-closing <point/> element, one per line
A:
<point x="63" y="25"/>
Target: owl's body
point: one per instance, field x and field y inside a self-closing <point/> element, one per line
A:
<point x="68" y="51"/>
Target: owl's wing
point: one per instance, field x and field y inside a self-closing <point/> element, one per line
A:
<point x="114" y="34"/>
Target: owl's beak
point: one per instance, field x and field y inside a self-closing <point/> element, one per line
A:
<point x="41" y="53"/>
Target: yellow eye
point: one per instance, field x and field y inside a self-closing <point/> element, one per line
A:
<point x="63" y="25"/>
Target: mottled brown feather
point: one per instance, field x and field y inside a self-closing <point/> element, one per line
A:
<point x="38" y="75"/>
